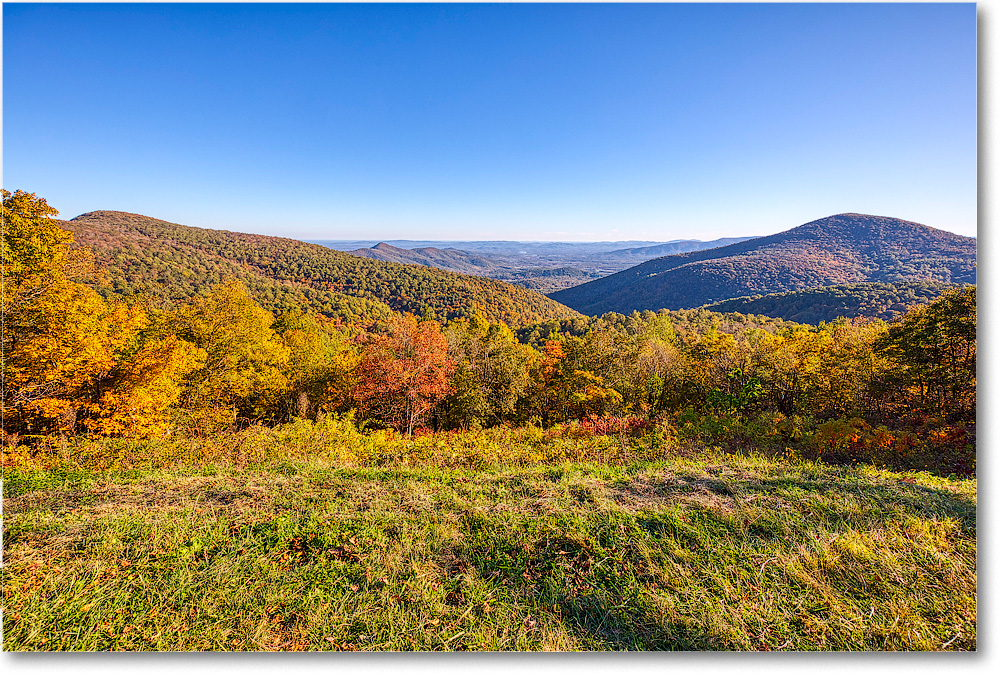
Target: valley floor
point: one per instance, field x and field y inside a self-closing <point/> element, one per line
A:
<point x="699" y="552"/>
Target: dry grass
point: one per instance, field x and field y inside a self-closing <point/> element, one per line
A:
<point x="746" y="554"/>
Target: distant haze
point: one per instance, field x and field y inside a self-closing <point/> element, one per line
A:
<point x="497" y="246"/>
<point x="528" y="122"/>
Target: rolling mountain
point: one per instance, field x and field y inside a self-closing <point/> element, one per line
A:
<point x="518" y="270"/>
<point x="450" y="259"/>
<point x="672" y="248"/>
<point x="503" y="248"/>
<point x="542" y="266"/>
<point x="173" y="262"/>
<point x="812" y="305"/>
<point x="841" y="249"/>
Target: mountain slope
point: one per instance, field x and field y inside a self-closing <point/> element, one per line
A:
<point x="841" y="249"/>
<point x="812" y="305"/>
<point x="174" y="261"/>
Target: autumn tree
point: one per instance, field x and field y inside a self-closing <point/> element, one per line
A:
<point x="659" y="367"/>
<point x="934" y="352"/>
<point x="564" y="388"/>
<point x="70" y="358"/>
<point x="245" y="359"/>
<point x="849" y="363"/>
<point x="789" y="363"/>
<point x="318" y="372"/>
<point x="36" y="252"/>
<point x="403" y="373"/>
<point x="721" y="371"/>
<point x="144" y="384"/>
<point x="491" y="372"/>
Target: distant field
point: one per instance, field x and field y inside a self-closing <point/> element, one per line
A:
<point x="627" y="548"/>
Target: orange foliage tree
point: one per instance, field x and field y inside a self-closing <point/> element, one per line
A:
<point x="403" y="374"/>
<point x="564" y="391"/>
<point x="69" y="356"/>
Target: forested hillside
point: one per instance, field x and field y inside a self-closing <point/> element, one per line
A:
<point x="842" y="249"/>
<point x="450" y="259"/>
<point x="152" y="257"/>
<point x="812" y="305"/>
<point x="683" y="323"/>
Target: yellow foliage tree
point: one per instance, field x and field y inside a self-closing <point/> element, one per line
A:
<point x="320" y="366"/>
<point x="145" y="386"/>
<point x="245" y="360"/>
<point x="68" y="354"/>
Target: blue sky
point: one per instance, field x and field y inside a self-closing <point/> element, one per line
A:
<point x="531" y="122"/>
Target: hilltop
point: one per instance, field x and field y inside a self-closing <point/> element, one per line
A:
<point x="204" y="476"/>
<point x="172" y="261"/>
<point x="841" y="249"/>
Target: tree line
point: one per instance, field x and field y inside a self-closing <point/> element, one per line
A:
<point x="883" y="300"/>
<point x="76" y="362"/>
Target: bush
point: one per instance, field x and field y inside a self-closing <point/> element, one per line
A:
<point x="938" y="448"/>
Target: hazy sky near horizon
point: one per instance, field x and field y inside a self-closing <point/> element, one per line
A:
<point x="530" y="122"/>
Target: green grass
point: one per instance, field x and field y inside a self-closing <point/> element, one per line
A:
<point x="703" y="552"/>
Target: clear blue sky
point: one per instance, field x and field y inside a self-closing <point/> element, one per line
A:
<point x="532" y="122"/>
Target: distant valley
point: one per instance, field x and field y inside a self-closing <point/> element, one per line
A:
<point x="541" y="266"/>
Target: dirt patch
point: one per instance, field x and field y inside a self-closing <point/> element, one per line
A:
<point x="51" y="500"/>
<point x="238" y="499"/>
<point x="654" y="491"/>
<point x="143" y="496"/>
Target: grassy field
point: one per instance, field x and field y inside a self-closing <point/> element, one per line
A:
<point x="706" y="551"/>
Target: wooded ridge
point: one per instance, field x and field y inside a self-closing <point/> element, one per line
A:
<point x="842" y="249"/>
<point x="144" y="255"/>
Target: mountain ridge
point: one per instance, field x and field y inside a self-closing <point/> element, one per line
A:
<point x="452" y="259"/>
<point x="678" y="246"/>
<point x="840" y="249"/>
<point x="145" y="254"/>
